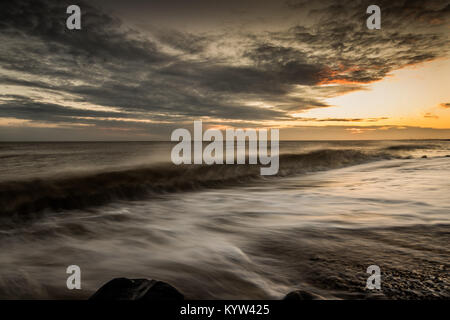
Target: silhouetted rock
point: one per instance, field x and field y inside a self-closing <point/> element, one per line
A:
<point x="424" y="157"/>
<point x="136" y="289"/>
<point x="302" y="295"/>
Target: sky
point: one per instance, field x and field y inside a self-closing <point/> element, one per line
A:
<point x="137" y="70"/>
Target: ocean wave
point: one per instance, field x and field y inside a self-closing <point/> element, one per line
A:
<point x="18" y="198"/>
<point x="411" y="147"/>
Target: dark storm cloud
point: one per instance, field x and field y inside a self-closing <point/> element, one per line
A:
<point x="20" y="107"/>
<point x="354" y="55"/>
<point x="160" y="107"/>
<point x="103" y="66"/>
<point x="394" y="13"/>
<point x="289" y="66"/>
<point x="411" y="32"/>
<point x="174" y="75"/>
<point x="183" y="41"/>
<point x="99" y="37"/>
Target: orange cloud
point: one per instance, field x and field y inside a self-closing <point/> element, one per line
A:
<point x="359" y="130"/>
<point x="430" y="115"/>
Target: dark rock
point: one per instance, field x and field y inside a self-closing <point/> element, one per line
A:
<point x="302" y="295"/>
<point x="447" y="155"/>
<point x="424" y="157"/>
<point x="136" y="289"/>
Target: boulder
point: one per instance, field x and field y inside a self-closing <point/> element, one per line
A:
<point x="302" y="295"/>
<point x="137" y="289"/>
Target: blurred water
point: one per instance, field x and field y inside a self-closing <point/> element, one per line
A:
<point x="317" y="230"/>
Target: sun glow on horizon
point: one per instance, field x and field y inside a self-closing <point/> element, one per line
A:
<point x="411" y="96"/>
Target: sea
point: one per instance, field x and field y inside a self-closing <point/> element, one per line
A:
<point x="122" y="209"/>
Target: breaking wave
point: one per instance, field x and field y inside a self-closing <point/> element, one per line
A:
<point x="411" y="147"/>
<point x="18" y="198"/>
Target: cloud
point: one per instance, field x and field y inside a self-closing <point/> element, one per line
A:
<point x="445" y="105"/>
<point x="101" y="36"/>
<point x="183" y="41"/>
<point x="430" y="116"/>
<point x="359" y="130"/>
<point x="221" y="75"/>
<point x="352" y="119"/>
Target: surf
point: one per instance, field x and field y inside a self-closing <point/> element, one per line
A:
<point x="76" y="191"/>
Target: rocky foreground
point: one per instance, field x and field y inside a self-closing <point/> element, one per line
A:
<point x="153" y="290"/>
